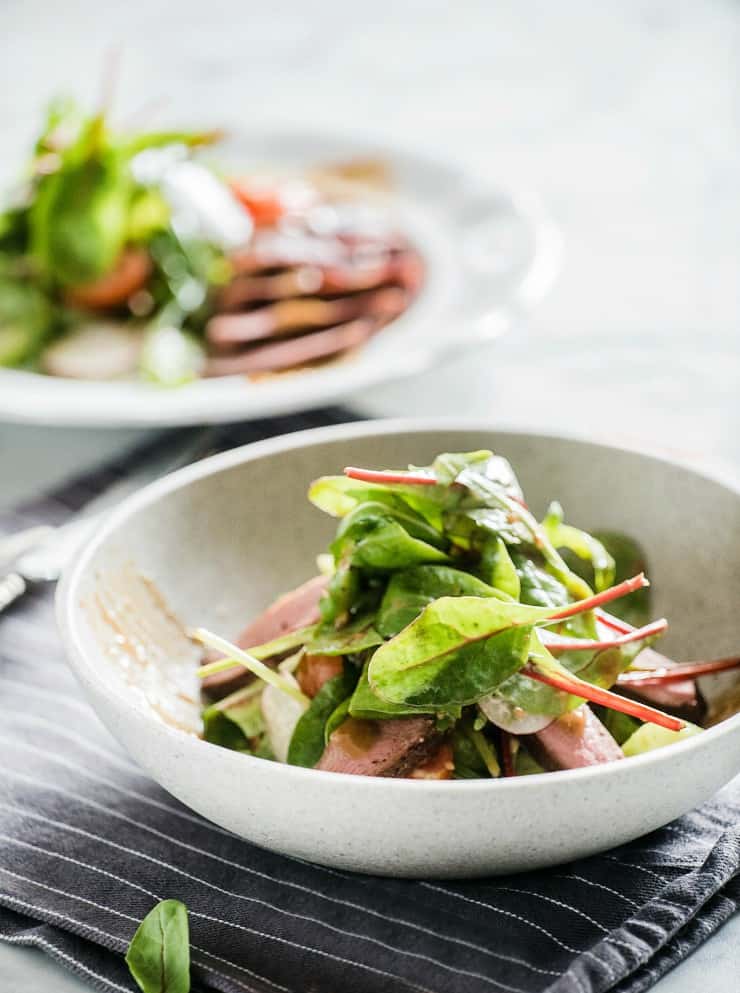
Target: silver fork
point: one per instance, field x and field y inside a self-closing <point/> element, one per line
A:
<point x="39" y="554"/>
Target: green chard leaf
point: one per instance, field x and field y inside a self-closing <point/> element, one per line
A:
<point x="620" y="726"/>
<point x="159" y="954"/>
<point x="629" y="559"/>
<point x="239" y="727"/>
<point x="338" y="716"/>
<point x="78" y="220"/>
<point x="367" y="705"/>
<point x="467" y="758"/>
<point x="356" y="636"/>
<point x="339" y="495"/>
<point x="307" y="744"/>
<point x="26" y="321"/>
<point x="411" y="590"/>
<point x="458" y="650"/>
<point x="497" y="568"/>
<point x="448" y="466"/>
<point x="378" y="538"/>
<point x="582" y="544"/>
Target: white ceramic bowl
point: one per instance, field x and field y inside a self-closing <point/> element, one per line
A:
<point x="490" y="255"/>
<point x="221" y="538"/>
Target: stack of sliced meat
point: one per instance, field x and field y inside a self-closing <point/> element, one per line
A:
<point x="313" y="287"/>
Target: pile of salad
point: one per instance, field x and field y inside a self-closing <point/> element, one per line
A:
<point x="450" y="634"/>
<point x="124" y="255"/>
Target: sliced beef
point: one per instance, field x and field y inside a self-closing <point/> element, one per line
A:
<point x="682" y="698"/>
<point x="572" y="741"/>
<point x="315" y="670"/>
<point x="290" y="612"/>
<point x="439" y="765"/>
<point x="285" y="354"/>
<point x="380" y="748"/>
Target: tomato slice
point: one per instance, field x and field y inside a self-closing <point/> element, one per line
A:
<point x="263" y="202"/>
<point x="130" y="273"/>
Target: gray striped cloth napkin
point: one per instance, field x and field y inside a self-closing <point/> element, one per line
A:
<point x="88" y="844"/>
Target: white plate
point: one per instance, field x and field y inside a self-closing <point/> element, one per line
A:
<point x="490" y="255"/>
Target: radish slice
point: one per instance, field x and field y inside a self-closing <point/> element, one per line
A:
<point x="281" y="713"/>
<point x="96" y="350"/>
<point x="511" y="718"/>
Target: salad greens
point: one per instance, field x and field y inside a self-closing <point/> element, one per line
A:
<point x="455" y="632"/>
<point x="158" y="957"/>
<point x="84" y="235"/>
<point x="125" y="254"/>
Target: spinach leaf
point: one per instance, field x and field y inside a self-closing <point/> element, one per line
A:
<point x="458" y="650"/>
<point x="538" y="587"/>
<point x="497" y="568"/>
<point x="525" y="765"/>
<point x="376" y="537"/>
<point x="239" y="727"/>
<point x="485" y="492"/>
<point x="467" y="759"/>
<point x="339" y="495"/>
<point x="78" y="219"/>
<point x="307" y="744"/>
<point x="620" y="726"/>
<point x="357" y="636"/>
<point x="159" y="954"/>
<point x="470" y="529"/>
<point x="367" y="705"/>
<point x="342" y="593"/>
<point x="448" y="466"/>
<point x="581" y="544"/>
<point x="410" y="590"/>
<point x="338" y="716"/>
<point x="629" y="559"/>
<point x="25" y="321"/>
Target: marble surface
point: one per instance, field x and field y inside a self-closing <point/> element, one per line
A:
<point x="622" y="115"/>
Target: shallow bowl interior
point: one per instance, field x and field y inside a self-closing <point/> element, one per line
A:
<point x="221" y="539"/>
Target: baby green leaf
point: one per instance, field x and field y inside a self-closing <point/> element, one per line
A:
<point x="448" y="466"/>
<point x="78" y="221"/>
<point x="538" y="587"/>
<point x="620" y="726"/>
<point x="629" y="559"/>
<point x="238" y="726"/>
<point x="467" y="758"/>
<point x="377" y="538"/>
<point x="307" y="743"/>
<point x="582" y="544"/>
<point x="338" y="495"/>
<point x="159" y="954"/>
<point x="410" y="590"/>
<point x="458" y="650"/>
<point x="338" y="716"/>
<point x="497" y="567"/>
<point x="25" y="321"/>
<point x="367" y="705"/>
<point x="356" y="636"/>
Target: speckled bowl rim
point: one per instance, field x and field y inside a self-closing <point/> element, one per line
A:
<point x="69" y="612"/>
